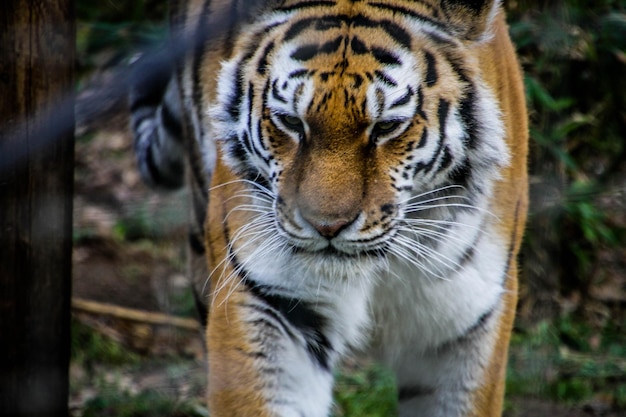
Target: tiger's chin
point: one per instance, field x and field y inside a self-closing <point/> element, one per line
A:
<point x="341" y="254"/>
<point x="336" y="262"/>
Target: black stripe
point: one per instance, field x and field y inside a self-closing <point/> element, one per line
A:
<point x="331" y="47"/>
<point x="237" y="150"/>
<point x="256" y="354"/>
<point x="457" y="64"/>
<point x="358" y="81"/>
<point x="276" y="94"/>
<point x="462" y="173"/>
<point x="470" y="251"/>
<point x="235" y="98"/>
<point x="247" y="143"/>
<point x="306" y="5"/>
<point x="446" y="159"/>
<point x="431" y="70"/>
<point x="198" y="173"/>
<point x="254" y="176"/>
<point x="245" y="138"/>
<point x="297" y="28"/>
<point x="442" y="112"/>
<point x="262" y="65"/>
<point x="358" y="46"/>
<point x="404" y="99"/>
<point x="476" y="6"/>
<point x="407" y="393"/>
<point x="139" y="116"/>
<point x="201" y="307"/>
<point x="301" y="316"/>
<point x="171" y="123"/>
<point x="310" y="51"/>
<point x="468" y="334"/>
<point x="319" y="23"/>
<point x="480" y="323"/>
<point x="254" y="149"/>
<point x="423" y="139"/>
<point x="150" y="97"/>
<point x="166" y="181"/>
<point x="407" y="12"/>
<point x="420" y="103"/>
<point x="396" y="32"/>
<point x="467" y="111"/>
<point x="381" y="76"/>
<point x="195" y="242"/>
<point x="467" y="105"/>
<point x="263" y="144"/>
<point x="385" y="57"/>
<point x="329" y="22"/>
<point x="305" y="53"/>
<point x="297" y="74"/>
<point x="263" y="309"/>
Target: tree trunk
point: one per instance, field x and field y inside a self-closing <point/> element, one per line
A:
<point x="36" y="184"/>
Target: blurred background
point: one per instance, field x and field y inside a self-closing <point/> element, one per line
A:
<point x="136" y="347"/>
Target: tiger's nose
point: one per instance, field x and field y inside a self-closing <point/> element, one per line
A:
<point x="329" y="229"/>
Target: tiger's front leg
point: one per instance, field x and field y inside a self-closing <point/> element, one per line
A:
<point x="267" y="356"/>
<point x="272" y="340"/>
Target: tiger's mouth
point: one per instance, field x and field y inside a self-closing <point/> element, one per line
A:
<point x="334" y="251"/>
<point x="351" y="242"/>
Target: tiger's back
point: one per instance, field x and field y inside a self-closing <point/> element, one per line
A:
<point x="367" y="170"/>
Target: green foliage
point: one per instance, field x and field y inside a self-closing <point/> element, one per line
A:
<point x="367" y="392"/>
<point x="574" y="56"/>
<point x="89" y="347"/>
<point x="116" y="377"/>
<point x="108" y="33"/>
<point x="569" y="361"/>
<point x="148" y="403"/>
<point x="183" y="304"/>
<point x="148" y="221"/>
<point x="136" y="225"/>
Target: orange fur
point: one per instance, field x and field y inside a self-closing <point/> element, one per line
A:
<point x="328" y="185"/>
<point x="234" y="381"/>
<point x="504" y="74"/>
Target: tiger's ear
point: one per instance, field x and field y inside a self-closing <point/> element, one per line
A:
<point x="471" y="19"/>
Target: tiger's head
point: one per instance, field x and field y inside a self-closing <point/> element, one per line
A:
<point x="363" y="128"/>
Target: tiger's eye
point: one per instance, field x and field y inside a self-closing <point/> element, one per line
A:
<point x="384" y="127"/>
<point x="292" y="122"/>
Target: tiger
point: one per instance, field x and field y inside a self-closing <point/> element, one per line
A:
<point x="358" y="184"/>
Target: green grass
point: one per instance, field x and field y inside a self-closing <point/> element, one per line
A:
<point x="366" y="392"/>
<point x="569" y="362"/>
<point x="90" y="347"/>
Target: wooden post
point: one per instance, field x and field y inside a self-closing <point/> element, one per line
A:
<point x="36" y="182"/>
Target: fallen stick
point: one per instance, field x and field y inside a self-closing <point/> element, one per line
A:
<point x="132" y="314"/>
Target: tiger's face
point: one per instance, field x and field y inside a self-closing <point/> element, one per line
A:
<point x="358" y="138"/>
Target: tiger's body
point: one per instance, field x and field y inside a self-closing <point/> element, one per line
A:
<point x="366" y="162"/>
